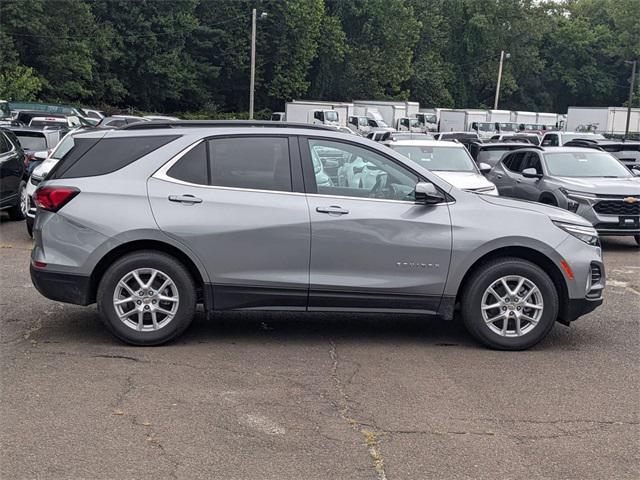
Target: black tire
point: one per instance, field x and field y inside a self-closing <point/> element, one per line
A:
<point x="29" y="222"/>
<point x="147" y="259"/>
<point x="483" y="278"/>
<point x="15" y="212"/>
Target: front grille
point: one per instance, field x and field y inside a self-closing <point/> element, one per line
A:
<point x="595" y="289"/>
<point x="35" y="181"/>
<point x="617" y="207"/>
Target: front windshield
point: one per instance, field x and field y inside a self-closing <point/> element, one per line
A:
<point x="5" y="112"/>
<point x="430" y="119"/>
<point x="331" y="116"/>
<point x="508" y="127"/>
<point x="446" y="159"/>
<point x="382" y="123"/>
<point x="363" y="121"/>
<point x="589" y="136"/>
<point x="486" y="127"/>
<point x="585" y="164"/>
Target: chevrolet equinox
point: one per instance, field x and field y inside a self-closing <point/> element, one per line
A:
<point x="151" y="219"/>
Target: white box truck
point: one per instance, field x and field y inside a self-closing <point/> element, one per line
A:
<point x="465" y="121"/>
<point x="313" y="112"/>
<point x="524" y="118"/>
<point x="388" y="111"/>
<point x="549" y="120"/>
<point x="612" y="120"/>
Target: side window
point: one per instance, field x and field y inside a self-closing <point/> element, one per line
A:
<point x="192" y="167"/>
<point x="514" y="161"/>
<point x="5" y="146"/>
<point x="372" y="123"/>
<point x="259" y="163"/>
<point x="318" y="115"/>
<point x="349" y="170"/>
<point x="532" y="160"/>
<point x="550" y="140"/>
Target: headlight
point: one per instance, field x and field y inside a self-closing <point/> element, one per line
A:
<point x="579" y="196"/>
<point x="588" y="235"/>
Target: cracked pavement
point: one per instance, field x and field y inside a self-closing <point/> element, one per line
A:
<point x="292" y="396"/>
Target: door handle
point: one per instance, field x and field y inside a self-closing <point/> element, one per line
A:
<point x="332" y="210"/>
<point x="499" y="176"/>
<point x="186" y="199"/>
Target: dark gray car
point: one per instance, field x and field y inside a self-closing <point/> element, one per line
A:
<point x="589" y="182"/>
<point x="150" y="220"/>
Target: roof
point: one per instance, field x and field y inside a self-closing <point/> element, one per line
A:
<point x="40" y="129"/>
<point x="425" y="143"/>
<point x="497" y="145"/>
<point x="182" y="124"/>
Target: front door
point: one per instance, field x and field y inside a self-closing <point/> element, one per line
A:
<point x="529" y="188"/>
<point x="373" y="248"/>
<point x="239" y="205"/>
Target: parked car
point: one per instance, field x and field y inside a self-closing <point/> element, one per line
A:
<point x="591" y="183"/>
<point x="117" y="121"/>
<point x="45" y="109"/>
<point x="557" y="139"/>
<point x="276" y="236"/>
<point x="60" y="121"/>
<point x="450" y="161"/>
<point x="456" y="136"/>
<point x="12" y="181"/>
<point x="378" y="135"/>
<point x="396" y="136"/>
<point x="532" y="138"/>
<point x="91" y="114"/>
<point x="37" y="143"/>
<point x="625" y="151"/>
<point x="40" y="171"/>
<point x="491" y="153"/>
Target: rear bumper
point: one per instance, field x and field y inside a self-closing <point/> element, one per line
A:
<point x="62" y="287"/>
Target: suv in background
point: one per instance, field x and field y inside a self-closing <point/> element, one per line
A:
<point x="118" y="121"/>
<point x="591" y="183"/>
<point x="37" y="143"/>
<point x="626" y="151"/>
<point x="491" y="153"/>
<point x="558" y="139"/>
<point x="12" y="178"/>
<point x="244" y="215"/>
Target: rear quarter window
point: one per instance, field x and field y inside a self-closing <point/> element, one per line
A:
<point x="90" y="157"/>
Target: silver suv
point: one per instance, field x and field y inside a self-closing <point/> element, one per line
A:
<point x="589" y="182"/>
<point x="152" y="219"/>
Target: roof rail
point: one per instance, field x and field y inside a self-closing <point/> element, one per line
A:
<point x="142" y="125"/>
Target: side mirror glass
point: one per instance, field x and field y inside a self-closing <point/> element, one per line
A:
<point x="41" y="155"/>
<point x="484" y="168"/>
<point x="531" y="173"/>
<point x="427" y="193"/>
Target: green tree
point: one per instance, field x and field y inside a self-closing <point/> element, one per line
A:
<point x="19" y="83"/>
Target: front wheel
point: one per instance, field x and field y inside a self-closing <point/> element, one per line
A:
<point x="147" y="298"/>
<point x="510" y="304"/>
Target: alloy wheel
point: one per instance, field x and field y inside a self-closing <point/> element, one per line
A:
<point x="146" y="299"/>
<point x="512" y="306"/>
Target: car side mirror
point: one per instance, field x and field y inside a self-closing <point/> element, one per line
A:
<point x="42" y="155"/>
<point x="428" y="194"/>
<point x="531" y="173"/>
<point x="484" y="168"/>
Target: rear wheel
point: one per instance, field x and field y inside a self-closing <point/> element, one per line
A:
<point x="510" y="304"/>
<point x="147" y="298"/>
<point x="19" y="211"/>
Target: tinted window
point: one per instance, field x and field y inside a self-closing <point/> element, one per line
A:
<point x="532" y="160"/>
<point x="514" y="161"/>
<point x="5" y="146"/>
<point x="192" y="167"/>
<point x="348" y="170"/>
<point x="102" y="156"/>
<point x="115" y="123"/>
<point x="585" y="164"/>
<point x="550" y="140"/>
<point x="259" y="163"/>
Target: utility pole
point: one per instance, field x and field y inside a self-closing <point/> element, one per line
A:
<point x="253" y="62"/>
<point x="633" y="83"/>
<point x="503" y="55"/>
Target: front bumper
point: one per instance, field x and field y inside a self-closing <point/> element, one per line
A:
<point x="575" y="308"/>
<point x="32" y="185"/>
<point x="62" y="287"/>
<point x="622" y="224"/>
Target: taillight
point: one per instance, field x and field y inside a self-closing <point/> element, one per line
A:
<point x="54" y="198"/>
<point x="27" y="158"/>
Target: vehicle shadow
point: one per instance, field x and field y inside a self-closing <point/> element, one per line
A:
<point x="618" y="244"/>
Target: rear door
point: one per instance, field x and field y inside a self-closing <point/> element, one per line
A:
<point x="509" y="175"/>
<point x="10" y="170"/>
<point x="238" y="203"/>
<point x="372" y="248"/>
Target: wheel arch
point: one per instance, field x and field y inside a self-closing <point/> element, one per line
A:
<point x="548" y="198"/>
<point x="525" y="253"/>
<point x="156" y="245"/>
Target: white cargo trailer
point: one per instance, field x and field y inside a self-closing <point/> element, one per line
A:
<point x="499" y="116"/>
<point x="521" y="117"/>
<point x="612" y="120"/>
<point x="547" y="119"/>
<point x="325" y="113"/>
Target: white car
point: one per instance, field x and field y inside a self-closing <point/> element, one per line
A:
<point x="42" y="170"/>
<point x="450" y="161"/>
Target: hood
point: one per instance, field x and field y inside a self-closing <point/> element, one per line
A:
<point x="602" y="186"/>
<point x="554" y="213"/>
<point x="464" y="180"/>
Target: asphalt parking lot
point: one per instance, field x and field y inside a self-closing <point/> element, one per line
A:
<point x="290" y="396"/>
